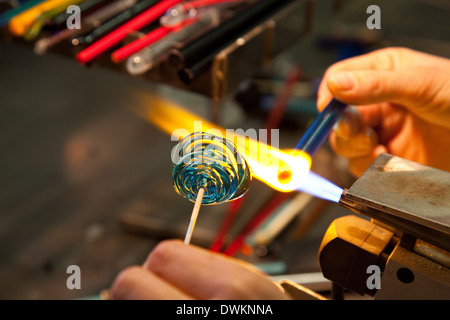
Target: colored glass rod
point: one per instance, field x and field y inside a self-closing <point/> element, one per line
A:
<point x="113" y="38"/>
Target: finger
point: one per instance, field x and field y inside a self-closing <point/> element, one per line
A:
<point x="386" y="119"/>
<point x="205" y="275"/>
<point x="369" y="87"/>
<point x="383" y="59"/>
<point x="373" y="115"/>
<point x="360" y="144"/>
<point x="136" y="283"/>
<point x="358" y="165"/>
<point x="348" y="124"/>
<point x="422" y="90"/>
<point x="356" y="117"/>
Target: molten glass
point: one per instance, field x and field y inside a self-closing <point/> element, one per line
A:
<point x="213" y="163"/>
<point x="284" y="175"/>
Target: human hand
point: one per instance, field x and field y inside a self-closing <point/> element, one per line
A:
<point x="402" y="107"/>
<point x="177" y="271"/>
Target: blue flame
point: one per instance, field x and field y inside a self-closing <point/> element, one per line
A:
<point x="320" y="187"/>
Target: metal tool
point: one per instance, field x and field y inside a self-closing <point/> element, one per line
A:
<point x="408" y="237"/>
<point x="405" y="195"/>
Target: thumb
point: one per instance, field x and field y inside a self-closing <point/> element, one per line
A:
<point x="416" y="89"/>
<point x="374" y="86"/>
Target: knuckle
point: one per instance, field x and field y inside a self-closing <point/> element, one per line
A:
<point x="391" y="56"/>
<point x="376" y="85"/>
<point x="231" y="288"/>
<point x="126" y="275"/>
<point x="373" y="79"/>
<point x="123" y="282"/>
<point x="162" y="254"/>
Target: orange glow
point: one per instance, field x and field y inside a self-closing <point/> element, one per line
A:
<point x="284" y="175"/>
<point x="266" y="162"/>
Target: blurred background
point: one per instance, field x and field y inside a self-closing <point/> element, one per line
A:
<point x="86" y="180"/>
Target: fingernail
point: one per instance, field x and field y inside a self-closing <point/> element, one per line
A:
<point x="343" y="128"/>
<point x="343" y="80"/>
<point x="365" y="139"/>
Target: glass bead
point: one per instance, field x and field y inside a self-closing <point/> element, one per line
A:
<point x="213" y="163"/>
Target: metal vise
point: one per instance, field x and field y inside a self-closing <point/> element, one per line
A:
<point x="407" y="238"/>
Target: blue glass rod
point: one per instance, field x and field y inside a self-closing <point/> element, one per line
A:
<point x="321" y="127"/>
